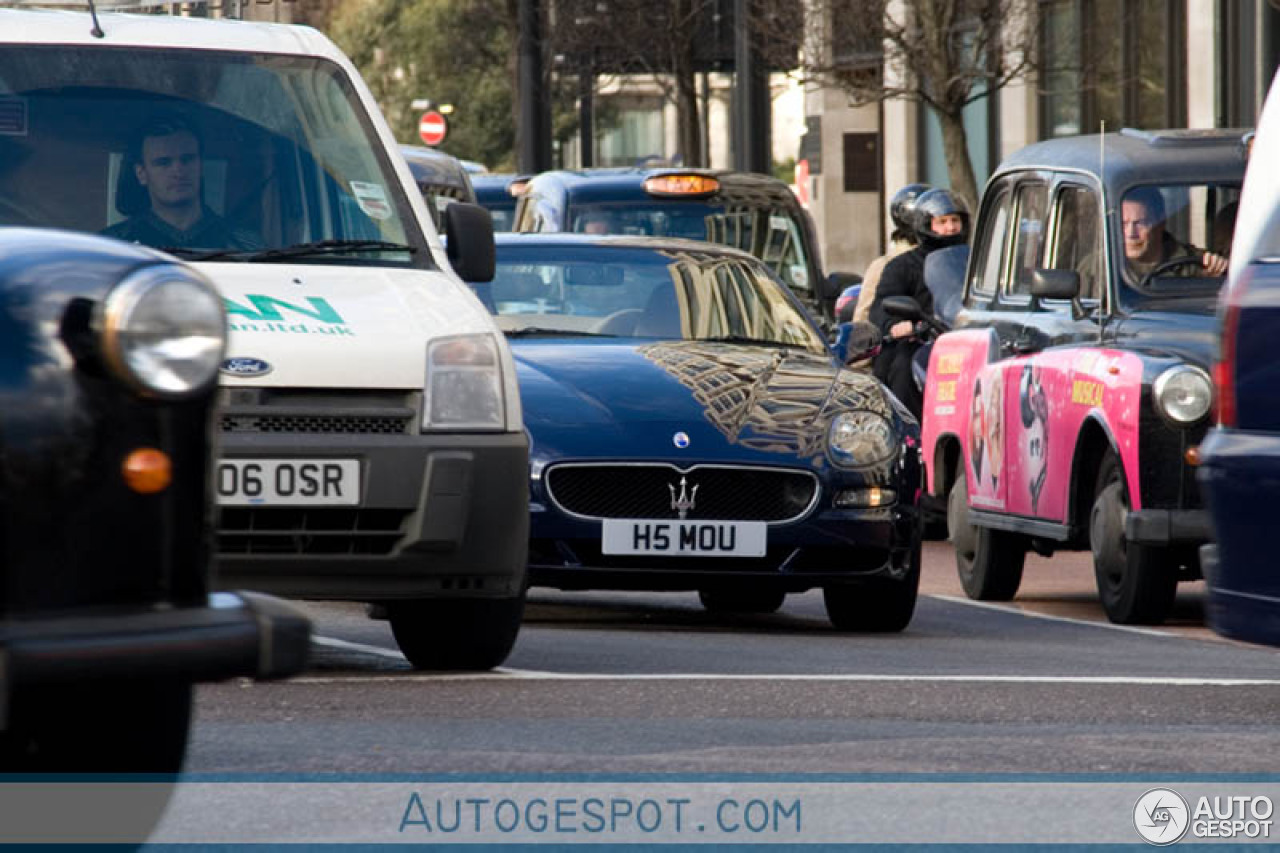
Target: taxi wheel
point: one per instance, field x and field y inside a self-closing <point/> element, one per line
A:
<point x="876" y="605"/>
<point x="720" y="600"/>
<point x="119" y="726"/>
<point x="988" y="561"/>
<point x="459" y="634"/>
<point x="1136" y="586"/>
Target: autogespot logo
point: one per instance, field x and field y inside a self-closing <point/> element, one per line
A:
<point x="1161" y="816"/>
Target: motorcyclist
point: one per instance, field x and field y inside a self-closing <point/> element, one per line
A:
<point x="902" y="213"/>
<point x="942" y="220"/>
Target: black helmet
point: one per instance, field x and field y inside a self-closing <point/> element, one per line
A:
<point x="902" y="208"/>
<point x="940" y="203"/>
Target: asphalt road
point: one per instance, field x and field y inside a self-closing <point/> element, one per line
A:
<point x="638" y="683"/>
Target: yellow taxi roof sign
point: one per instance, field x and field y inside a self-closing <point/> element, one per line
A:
<point x="681" y="185"/>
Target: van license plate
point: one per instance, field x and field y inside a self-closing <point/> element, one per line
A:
<point x="288" y="482"/>
<point x="684" y="538"/>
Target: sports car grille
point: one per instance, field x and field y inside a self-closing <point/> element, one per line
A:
<point x="275" y="530"/>
<point x="648" y="491"/>
<point x="286" y="410"/>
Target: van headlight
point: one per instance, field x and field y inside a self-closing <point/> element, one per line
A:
<point x="464" y="384"/>
<point x="859" y="439"/>
<point x="164" y="330"/>
<point x="1184" y="394"/>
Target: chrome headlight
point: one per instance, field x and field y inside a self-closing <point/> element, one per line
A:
<point x="164" y="330"/>
<point x="464" y="384"/>
<point x="1184" y="394"/>
<point x="859" y="439"/>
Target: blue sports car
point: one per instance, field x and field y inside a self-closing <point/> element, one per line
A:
<point x="691" y="429"/>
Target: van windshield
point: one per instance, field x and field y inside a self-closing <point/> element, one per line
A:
<point x="199" y="152"/>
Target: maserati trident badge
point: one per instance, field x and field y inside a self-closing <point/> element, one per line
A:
<point x="680" y="440"/>
<point x="683" y="502"/>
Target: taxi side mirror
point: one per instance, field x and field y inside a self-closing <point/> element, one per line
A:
<point x="903" y="308"/>
<point x="1055" y="284"/>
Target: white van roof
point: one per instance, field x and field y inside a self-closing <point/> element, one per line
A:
<point x="64" y="26"/>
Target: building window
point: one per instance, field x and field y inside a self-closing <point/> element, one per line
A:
<point x="1113" y="61"/>
<point x="638" y="134"/>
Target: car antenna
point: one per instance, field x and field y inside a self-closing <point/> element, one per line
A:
<point x="96" y="32"/>
<point x="1106" y="263"/>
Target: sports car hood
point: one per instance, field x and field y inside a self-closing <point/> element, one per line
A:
<point x="340" y="326"/>
<point x="587" y="398"/>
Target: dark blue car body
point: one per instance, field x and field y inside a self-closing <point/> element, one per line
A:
<point x="1240" y="469"/>
<point x="493" y="193"/>
<point x="622" y="426"/>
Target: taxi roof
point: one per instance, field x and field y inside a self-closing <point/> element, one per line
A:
<point x="560" y="239"/>
<point x="623" y="183"/>
<point x="1130" y="157"/>
<point x="67" y="27"/>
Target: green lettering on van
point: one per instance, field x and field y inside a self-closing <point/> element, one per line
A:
<point x="267" y="309"/>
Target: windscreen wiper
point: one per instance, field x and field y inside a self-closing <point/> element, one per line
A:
<point x="743" y="339"/>
<point x="322" y="247"/>
<point x="532" y="331"/>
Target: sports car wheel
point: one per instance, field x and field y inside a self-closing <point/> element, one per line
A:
<point x="461" y="634"/>
<point x="1136" y="583"/>
<point x="988" y="561"/>
<point x="876" y="605"/>
<point x="721" y="600"/>
<point x="116" y="727"/>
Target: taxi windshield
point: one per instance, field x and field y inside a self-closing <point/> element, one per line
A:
<point x="202" y="153"/>
<point x="643" y="293"/>
<point x="771" y="234"/>
<point x="1175" y="239"/>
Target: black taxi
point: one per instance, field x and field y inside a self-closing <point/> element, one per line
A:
<point x="756" y="213"/>
<point x="441" y="178"/>
<point x="108" y="372"/>
<point x="1066" y="408"/>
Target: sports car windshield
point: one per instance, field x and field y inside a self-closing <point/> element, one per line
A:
<point x="199" y="151"/>
<point x="643" y="293"/>
<point x="1165" y="232"/>
<point x="770" y="233"/>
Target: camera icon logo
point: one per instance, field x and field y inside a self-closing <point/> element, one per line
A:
<point x="1161" y="816"/>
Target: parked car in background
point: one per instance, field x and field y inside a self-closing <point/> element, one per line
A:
<point x="1066" y="409"/>
<point x="110" y="361"/>
<point x="441" y="178"/>
<point x="497" y="194"/>
<point x="1240" y="468"/>
<point x="692" y="430"/>
<point x="756" y="213"/>
<point x="372" y="448"/>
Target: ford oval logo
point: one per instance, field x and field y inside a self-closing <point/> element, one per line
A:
<point x="246" y="367"/>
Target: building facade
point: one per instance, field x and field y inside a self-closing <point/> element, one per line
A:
<point x="1144" y="63"/>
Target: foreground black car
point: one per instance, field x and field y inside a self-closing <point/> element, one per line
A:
<point x="107" y="372"/>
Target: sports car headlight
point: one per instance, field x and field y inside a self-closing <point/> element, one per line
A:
<point x="859" y="439"/>
<point x="1183" y="393"/>
<point x="164" y="331"/>
<point x="464" y="384"/>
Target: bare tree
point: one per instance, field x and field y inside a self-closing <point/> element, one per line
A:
<point x="946" y="54"/>
<point x="659" y="39"/>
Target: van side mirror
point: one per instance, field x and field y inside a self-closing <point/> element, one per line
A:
<point x="468" y="228"/>
<point x="1055" y="284"/>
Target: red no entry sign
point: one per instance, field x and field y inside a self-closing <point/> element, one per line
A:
<point x="432" y="127"/>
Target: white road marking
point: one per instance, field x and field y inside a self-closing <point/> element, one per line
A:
<point x="1007" y="608"/>
<point x="503" y="673"/>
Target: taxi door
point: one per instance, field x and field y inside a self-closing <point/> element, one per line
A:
<point x="1048" y="391"/>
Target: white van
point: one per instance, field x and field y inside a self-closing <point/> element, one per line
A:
<point x="372" y="447"/>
